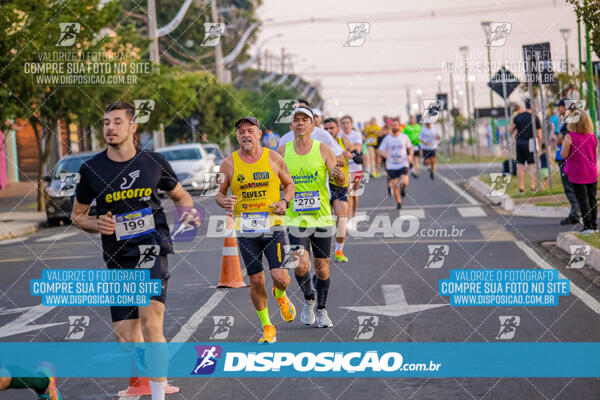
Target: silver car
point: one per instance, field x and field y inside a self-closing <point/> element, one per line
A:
<point x="192" y="164"/>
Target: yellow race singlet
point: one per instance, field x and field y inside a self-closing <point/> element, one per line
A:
<point x="256" y="186"/>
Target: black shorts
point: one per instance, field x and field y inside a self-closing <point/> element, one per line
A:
<point x="523" y="153"/>
<point x="337" y="193"/>
<point x="397" y="173"/>
<point x="253" y="247"/>
<point x="158" y="270"/>
<point x="428" y="154"/>
<point x="417" y="150"/>
<point x="319" y="239"/>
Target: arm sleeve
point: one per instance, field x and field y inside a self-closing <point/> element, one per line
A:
<point x="168" y="179"/>
<point x="83" y="191"/>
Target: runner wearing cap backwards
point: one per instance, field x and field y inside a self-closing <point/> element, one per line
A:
<point x="254" y="175"/>
<point x="339" y="194"/>
<point x="317" y="134"/>
<point x="309" y="220"/>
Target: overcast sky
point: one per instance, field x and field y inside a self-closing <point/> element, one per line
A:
<point x="409" y="43"/>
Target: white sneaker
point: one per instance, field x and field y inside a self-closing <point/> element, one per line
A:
<point x="308" y="312"/>
<point x="323" y="320"/>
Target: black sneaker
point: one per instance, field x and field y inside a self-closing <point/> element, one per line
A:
<point x="569" y="221"/>
<point x="398" y="206"/>
<point x="403" y="191"/>
<point x="414" y="175"/>
<point x="431" y="175"/>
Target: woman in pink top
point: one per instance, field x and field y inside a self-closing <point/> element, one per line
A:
<point x="579" y="150"/>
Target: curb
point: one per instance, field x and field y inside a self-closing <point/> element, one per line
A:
<point x="566" y="239"/>
<point x="518" y="210"/>
<point x="504" y="201"/>
<point x="26" y="230"/>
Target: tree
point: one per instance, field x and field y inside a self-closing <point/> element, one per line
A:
<point x="32" y="37"/>
<point x="589" y="12"/>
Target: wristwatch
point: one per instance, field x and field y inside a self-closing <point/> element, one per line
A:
<point x="287" y="203"/>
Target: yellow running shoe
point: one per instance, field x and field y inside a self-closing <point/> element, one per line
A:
<point x="288" y="311"/>
<point x="269" y="335"/>
<point x="340" y="257"/>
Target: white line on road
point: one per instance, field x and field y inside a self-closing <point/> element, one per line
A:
<point x="588" y="300"/>
<point x="187" y="330"/>
<point x="15" y="240"/>
<point x="470" y="212"/>
<point x="57" y="236"/>
<point x="458" y="190"/>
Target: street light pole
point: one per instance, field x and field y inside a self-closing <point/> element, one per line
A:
<point x="579" y="52"/>
<point x="464" y="51"/>
<point x="565" y="32"/>
<point x="590" y="76"/>
<point x="486" y="25"/>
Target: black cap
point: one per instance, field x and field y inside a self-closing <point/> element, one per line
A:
<point x="561" y="102"/>
<point x="252" y="120"/>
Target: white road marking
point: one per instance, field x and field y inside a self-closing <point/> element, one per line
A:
<point x="57" y="236"/>
<point x="470" y="212"/>
<point x="187" y="330"/>
<point x="458" y="190"/>
<point x="415" y="212"/>
<point x="576" y="291"/>
<point x="20" y="324"/>
<point x="395" y="304"/>
<point x="15" y="240"/>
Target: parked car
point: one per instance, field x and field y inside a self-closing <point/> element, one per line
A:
<point x="60" y="188"/>
<point x="193" y="165"/>
<point x="214" y="149"/>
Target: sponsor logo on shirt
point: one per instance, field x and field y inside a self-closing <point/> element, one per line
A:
<point x="128" y="194"/>
<point x="260" y="175"/>
<point x="253" y="185"/>
<point x="253" y="194"/>
<point x="304" y="177"/>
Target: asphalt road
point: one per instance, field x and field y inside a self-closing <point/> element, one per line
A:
<point x="477" y="237"/>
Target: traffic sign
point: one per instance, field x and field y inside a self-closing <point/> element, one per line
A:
<point x="504" y="76"/>
<point x="540" y="58"/>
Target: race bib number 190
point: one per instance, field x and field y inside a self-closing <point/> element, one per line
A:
<point x="133" y="224"/>
<point x="307" y="201"/>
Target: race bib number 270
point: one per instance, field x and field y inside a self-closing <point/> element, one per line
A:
<point x="133" y="224"/>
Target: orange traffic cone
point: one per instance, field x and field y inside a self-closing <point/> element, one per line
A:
<point x="231" y="270"/>
<point x="141" y="387"/>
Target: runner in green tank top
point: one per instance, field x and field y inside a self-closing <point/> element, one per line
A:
<point x="309" y="219"/>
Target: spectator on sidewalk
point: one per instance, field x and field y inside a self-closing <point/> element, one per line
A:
<point x="579" y="148"/>
<point x="523" y="135"/>
<point x="560" y="129"/>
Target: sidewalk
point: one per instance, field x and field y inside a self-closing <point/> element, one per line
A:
<point x="18" y="210"/>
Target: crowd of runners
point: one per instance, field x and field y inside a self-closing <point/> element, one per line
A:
<point x="289" y="199"/>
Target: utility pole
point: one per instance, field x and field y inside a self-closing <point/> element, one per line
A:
<point x="579" y="52"/>
<point x="451" y="106"/>
<point x="158" y="136"/>
<point x="220" y="68"/>
<point x="590" y="76"/>
<point x="487" y="29"/>
<point x="464" y="50"/>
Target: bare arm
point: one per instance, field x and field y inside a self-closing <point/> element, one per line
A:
<point x="221" y="198"/>
<point x="334" y="170"/>
<point x="103" y="224"/>
<point x="180" y="197"/>
<point x="287" y="183"/>
<point x="566" y="147"/>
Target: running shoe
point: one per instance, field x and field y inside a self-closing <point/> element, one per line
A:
<point x="414" y="174"/>
<point x="308" y="312"/>
<point x="51" y="392"/>
<point x="288" y="311"/>
<point x="398" y="206"/>
<point x="269" y="335"/>
<point x="323" y="320"/>
<point x="340" y="257"/>
<point x="431" y="175"/>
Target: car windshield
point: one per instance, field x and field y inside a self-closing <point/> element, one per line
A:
<point x="216" y="151"/>
<point x="71" y="164"/>
<point x="182" y="154"/>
